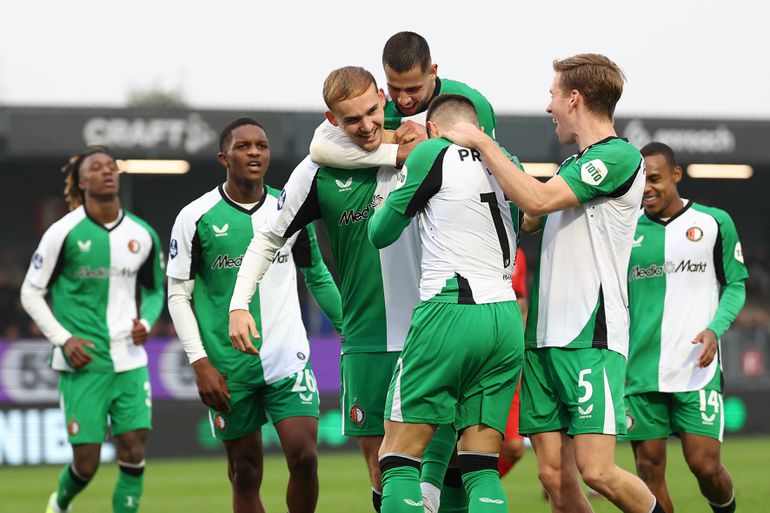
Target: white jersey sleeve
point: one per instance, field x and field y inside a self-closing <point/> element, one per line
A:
<point x="185" y="323"/>
<point x="296" y="207"/>
<point x="332" y="147"/>
<point x="46" y="259"/>
<point x="33" y="301"/>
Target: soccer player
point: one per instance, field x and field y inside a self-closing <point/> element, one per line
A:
<point x="462" y="357"/>
<point x="686" y="285"/>
<point x="412" y="82"/>
<point x="96" y="261"/>
<point x="577" y="327"/>
<point x="512" y="449"/>
<point x="378" y="287"/>
<point x="243" y="390"/>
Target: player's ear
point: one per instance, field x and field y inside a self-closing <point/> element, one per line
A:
<point x="575" y="98"/>
<point x="381" y="94"/>
<point x="222" y="158"/>
<point x="433" y="71"/>
<point x="432" y="130"/>
<point x="677" y="174"/>
<point x="331" y="117"/>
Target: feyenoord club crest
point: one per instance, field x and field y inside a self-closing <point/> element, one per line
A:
<point x="133" y="246"/>
<point x="357" y="414"/>
<point x="219" y="422"/>
<point x="73" y="428"/>
<point x="695" y="234"/>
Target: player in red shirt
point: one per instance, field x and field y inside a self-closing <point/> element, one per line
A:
<point x="513" y="444"/>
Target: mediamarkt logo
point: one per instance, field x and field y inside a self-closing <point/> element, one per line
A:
<point x="191" y="134"/>
<point x="225" y="262"/>
<point x="354" y="216"/>
<point x="86" y="272"/>
<point x="654" y="270"/>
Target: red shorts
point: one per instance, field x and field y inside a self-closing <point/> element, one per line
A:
<point x="512" y="427"/>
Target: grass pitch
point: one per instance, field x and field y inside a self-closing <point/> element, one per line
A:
<point x="201" y="485"/>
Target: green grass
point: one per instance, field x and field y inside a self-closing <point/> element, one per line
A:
<point x="201" y="485"/>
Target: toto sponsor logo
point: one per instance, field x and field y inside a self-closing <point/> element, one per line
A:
<point x="191" y="134"/>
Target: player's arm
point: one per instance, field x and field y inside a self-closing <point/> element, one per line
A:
<point x="332" y="147"/>
<point x="534" y="197"/>
<point x="732" y="275"/>
<point x="297" y="207"/>
<point x="212" y="388"/>
<point x="307" y="256"/>
<point x="386" y="226"/>
<point x="151" y="282"/>
<point x="418" y="181"/>
<point x="44" y="270"/>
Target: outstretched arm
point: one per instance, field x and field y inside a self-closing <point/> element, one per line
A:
<point x="532" y="196"/>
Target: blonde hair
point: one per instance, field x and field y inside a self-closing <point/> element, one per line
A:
<point x="347" y="82"/>
<point x="598" y="79"/>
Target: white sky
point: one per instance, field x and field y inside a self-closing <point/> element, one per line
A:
<point x="683" y="58"/>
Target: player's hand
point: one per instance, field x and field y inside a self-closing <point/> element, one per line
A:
<point x="211" y="385"/>
<point x="413" y="135"/>
<point x="139" y="333"/>
<point x="75" y="351"/>
<point x="408" y="132"/>
<point x="709" y="340"/>
<point x="530" y="224"/>
<point x="465" y="134"/>
<point x="241" y="326"/>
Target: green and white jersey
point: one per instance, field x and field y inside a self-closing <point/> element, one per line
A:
<point x="95" y="275"/>
<point x="484" y="110"/>
<point x="466" y="229"/>
<point x="580" y="295"/>
<point x="379" y="288"/>
<point x="208" y="240"/>
<point x="679" y="268"/>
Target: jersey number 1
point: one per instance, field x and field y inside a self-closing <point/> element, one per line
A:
<point x="497" y="218"/>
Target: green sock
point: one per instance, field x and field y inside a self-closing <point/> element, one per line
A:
<point x="437" y="455"/>
<point x="453" y="500"/>
<point x="128" y="489"/>
<point x="70" y="484"/>
<point x="485" y="493"/>
<point x="401" y="490"/>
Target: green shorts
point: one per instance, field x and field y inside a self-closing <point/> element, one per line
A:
<point x="252" y="407"/>
<point x="460" y="365"/>
<point x="365" y="378"/>
<point x="580" y="390"/>
<point x="91" y="399"/>
<point x="653" y="415"/>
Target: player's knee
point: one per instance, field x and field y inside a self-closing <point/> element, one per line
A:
<point x="550" y="477"/>
<point x="703" y="465"/>
<point x="133" y="453"/>
<point x="512" y="451"/>
<point x="244" y="474"/>
<point x="650" y="468"/>
<point x="86" y="468"/>
<point x="302" y="462"/>
<point x="596" y="477"/>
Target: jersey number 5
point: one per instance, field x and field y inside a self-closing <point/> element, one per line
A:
<point x="490" y="199"/>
